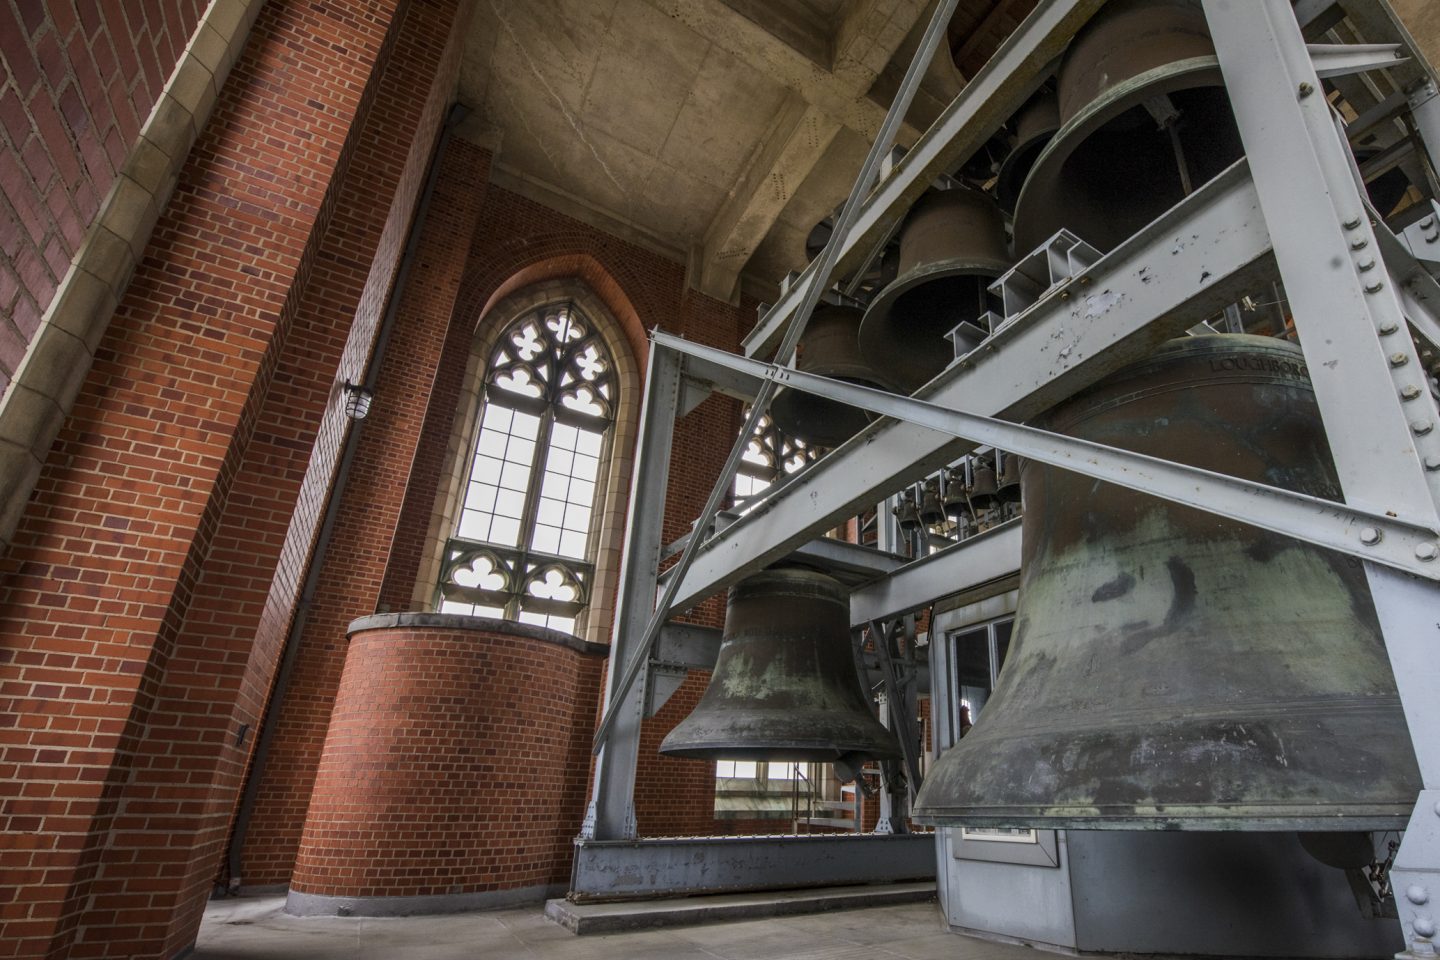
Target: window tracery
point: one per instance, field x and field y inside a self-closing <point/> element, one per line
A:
<point x="523" y="544"/>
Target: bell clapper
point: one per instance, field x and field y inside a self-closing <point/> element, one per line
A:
<point x="1162" y="108"/>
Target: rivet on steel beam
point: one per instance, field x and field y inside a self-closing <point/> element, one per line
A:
<point x="1417" y="894"/>
<point x="1427" y="223"/>
<point x="1422" y="427"/>
<point x="1388" y="327"/>
<point x="1369" y="536"/>
<point x="1375" y="287"/>
<point x="1352" y="223"/>
<point x="1426" y="551"/>
<point x="1366" y="264"/>
<point x="1359" y="243"/>
<point x="1424" y="927"/>
<point x="1398" y="359"/>
<point x="1432" y="463"/>
<point x="1409" y="392"/>
<point x="1306" y="89"/>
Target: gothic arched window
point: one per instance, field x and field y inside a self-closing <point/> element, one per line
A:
<point x="523" y="544"/>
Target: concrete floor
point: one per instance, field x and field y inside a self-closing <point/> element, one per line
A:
<point x="257" y="929"/>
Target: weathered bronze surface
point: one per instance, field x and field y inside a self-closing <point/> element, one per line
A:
<point x="984" y="488"/>
<point x="785" y="685"/>
<point x="956" y="506"/>
<point x="1035" y="124"/>
<point x="1008" y="484"/>
<point x="1114" y="166"/>
<point x="951" y="247"/>
<point x="829" y="349"/>
<point x="1171" y="669"/>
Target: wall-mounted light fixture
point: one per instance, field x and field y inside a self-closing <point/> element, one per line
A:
<point x="357" y="400"/>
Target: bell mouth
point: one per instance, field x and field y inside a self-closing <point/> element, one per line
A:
<point x="1016" y="167"/>
<point x="818" y="420"/>
<point x="991" y="779"/>
<point x="1110" y="170"/>
<point x="839" y="743"/>
<point x="903" y="333"/>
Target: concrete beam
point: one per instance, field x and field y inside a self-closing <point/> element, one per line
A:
<point x="864" y="43"/>
<point x="751" y="43"/>
<point x="798" y="139"/>
<point x="869" y="35"/>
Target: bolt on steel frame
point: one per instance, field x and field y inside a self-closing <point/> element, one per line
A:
<point x="1294" y="207"/>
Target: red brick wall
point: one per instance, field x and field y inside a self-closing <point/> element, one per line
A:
<point x="226" y="652"/>
<point x="109" y="553"/>
<point x="354" y="567"/>
<point x="515" y="243"/>
<point x="519" y="242"/>
<point x="455" y="763"/>
<point x="79" y="79"/>
<point x="675" y="797"/>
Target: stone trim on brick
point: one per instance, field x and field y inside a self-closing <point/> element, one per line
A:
<point x="320" y="905"/>
<point x="60" y="354"/>
<point x="487" y="625"/>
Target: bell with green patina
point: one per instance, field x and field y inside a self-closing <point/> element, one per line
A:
<point x="785" y="686"/>
<point x="1171" y="669"/>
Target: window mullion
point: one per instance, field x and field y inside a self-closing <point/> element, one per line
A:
<point x="532" y="504"/>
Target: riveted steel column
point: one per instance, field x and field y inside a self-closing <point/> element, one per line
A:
<point x="611" y="814"/>
<point x="1379" y="414"/>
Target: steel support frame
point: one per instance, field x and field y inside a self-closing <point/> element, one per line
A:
<point x="611" y="813"/>
<point x="1350" y="309"/>
<point x="1379" y="414"/>
<point x="1368" y="534"/>
<point x="618" y="870"/>
<point x="1202" y="255"/>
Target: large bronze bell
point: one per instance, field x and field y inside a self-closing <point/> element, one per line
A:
<point x="827" y="349"/>
<point x="1171" y="669"/>
<point x="1145" y="120"/>
<point x="951" y="247"/>
<point x="784" y="686"/>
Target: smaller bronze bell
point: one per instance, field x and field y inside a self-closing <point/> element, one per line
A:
<point x="827" y="349"/>
<point x="1145" y="120"/>
<point x="956" y="506"/>
<point x="1008" y="485"/>
<point x="932" y="511"/>
<point x="906" y="513"/>
<point x="1035" y="124"/>
<point x="983" y="488"/>
<point x="785" y="685"/>
<point x="951" y="247"/>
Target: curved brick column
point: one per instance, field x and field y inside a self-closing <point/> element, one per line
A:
<point x="455" y="769"/>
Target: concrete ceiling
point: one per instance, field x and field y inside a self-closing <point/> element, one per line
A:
<point x="716" y="131"/>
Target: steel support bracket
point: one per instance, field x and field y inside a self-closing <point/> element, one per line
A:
<point x="1377" y="536"/>
<point x="1339" y="59"/>
<point x="1415" y="878"/>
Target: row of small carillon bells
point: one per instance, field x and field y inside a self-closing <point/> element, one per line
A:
<point x="971" y="489"/>
<point x="1169" y="669"/>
